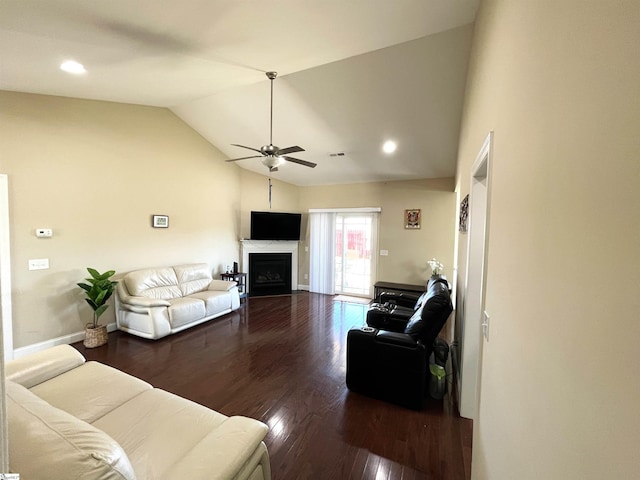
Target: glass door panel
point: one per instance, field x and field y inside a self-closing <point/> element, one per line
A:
<point x="353" y="261"/>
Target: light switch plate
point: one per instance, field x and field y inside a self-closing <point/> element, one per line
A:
<point x="485" y="325"/>
<point x="384" y="253"/>
<point x="38" y="264"/>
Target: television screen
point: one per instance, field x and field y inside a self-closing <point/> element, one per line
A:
<point x="275" y="226"/>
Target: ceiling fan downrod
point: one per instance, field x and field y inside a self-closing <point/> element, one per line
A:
<point x="271" y="76"/>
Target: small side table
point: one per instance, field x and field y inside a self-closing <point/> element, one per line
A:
<point x="240" y="278"/>
<point x="379" y="287"/>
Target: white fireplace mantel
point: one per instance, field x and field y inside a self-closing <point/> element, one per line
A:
<point x="271" y="246"/>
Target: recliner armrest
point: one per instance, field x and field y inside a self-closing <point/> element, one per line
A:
<point x="396" y="338"/>
<point x="403" y="299"/>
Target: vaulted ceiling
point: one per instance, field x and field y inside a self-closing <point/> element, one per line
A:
<point x="351" y="74"/>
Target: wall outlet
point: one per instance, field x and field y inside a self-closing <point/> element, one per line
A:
<point x="306" y="276"/>
<point x="384" y="253"/>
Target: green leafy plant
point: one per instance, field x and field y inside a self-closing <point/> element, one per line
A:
<point x="98" y="291"/>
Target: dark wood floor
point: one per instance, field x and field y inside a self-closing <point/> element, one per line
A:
<point x="282" y="360"/>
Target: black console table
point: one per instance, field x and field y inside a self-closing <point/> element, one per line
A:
<point x="380" y="287"/>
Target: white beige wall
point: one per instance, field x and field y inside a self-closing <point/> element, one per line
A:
<point x="558" y="82"/>
<point x="409" y="250"/>
<point x="95" y="172"/>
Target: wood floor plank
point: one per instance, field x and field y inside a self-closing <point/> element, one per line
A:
<point x="282" y="360"/>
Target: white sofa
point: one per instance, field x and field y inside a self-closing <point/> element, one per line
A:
<point x="69" y="418"/>
<point x="156" y="302"/>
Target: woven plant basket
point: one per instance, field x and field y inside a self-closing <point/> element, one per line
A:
<point x="95" y="337"/>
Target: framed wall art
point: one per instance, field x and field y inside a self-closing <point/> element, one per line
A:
<point x="464" y="214"/>
<point x="160" y="221"/>
<point x="412" y="219"/>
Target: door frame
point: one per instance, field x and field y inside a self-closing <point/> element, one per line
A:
<point x="469" y="380"/>
<point x="5" y="270"/>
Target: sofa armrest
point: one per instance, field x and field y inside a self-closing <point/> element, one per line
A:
<point x="143" y="302"/>
<point x="222" y="285"/>
<point x="223" y="452"/>
<point x="41" y="366"/>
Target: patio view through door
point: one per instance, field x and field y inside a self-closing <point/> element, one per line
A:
<point x="355" y="244"/>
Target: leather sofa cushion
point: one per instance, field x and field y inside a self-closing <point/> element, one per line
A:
<point x="184" y="310"/>
<point x="108" y="388"/>
<point x="158" y="283"/>
<point x="158" y="429"/>
<point x="214" y="301"/>
<point x="192" y="278"/>
<point x="48" y="443"/>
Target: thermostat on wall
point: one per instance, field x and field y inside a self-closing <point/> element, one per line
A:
<point x="44" y="232"/>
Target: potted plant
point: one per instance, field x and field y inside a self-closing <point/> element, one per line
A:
<point x="98" y="291"/>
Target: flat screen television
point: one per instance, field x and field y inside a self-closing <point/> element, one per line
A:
<point x="275" y="226"/>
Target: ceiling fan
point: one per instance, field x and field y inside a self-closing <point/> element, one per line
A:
<point x="272" y="156"/>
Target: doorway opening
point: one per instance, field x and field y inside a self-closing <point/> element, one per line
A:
<point x="474" y="324"/>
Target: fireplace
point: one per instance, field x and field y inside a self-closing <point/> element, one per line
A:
<point x="250" y="247"/>
<point x="269" y="274"/>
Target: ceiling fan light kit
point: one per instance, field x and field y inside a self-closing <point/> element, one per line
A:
<point x="272" y="162"/>
<point x="273" y="156"/>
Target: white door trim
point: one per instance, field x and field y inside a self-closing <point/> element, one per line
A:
<point x="474" y="298"/>
<point x="5" y="270"/>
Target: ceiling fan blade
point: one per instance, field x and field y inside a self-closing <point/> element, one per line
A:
<point x="285" y="151"/>
<point x="243" y="158"/>
<point x="300" y="162"/>
<point x="250" y="148"/>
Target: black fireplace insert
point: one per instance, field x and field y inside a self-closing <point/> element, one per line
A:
<point x="269" y="274"/>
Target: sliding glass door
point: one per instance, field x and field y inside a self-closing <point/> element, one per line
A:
<point x="343" y="249"/>
<point x="355" y="247"/>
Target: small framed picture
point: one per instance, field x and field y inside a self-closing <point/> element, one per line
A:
<point x="412" y="219"/>
<point x="464" y="214"/>
<point x="160" y="221"/>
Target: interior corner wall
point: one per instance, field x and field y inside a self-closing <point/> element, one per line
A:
<point x="557" y="82"/>
<point x="285" y="197"/>
<point x="95" y="172"/>
<point x="408" y="250"/>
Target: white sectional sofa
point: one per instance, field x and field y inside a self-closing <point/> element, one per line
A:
<point x="156" y="302"/>
<point x="69" y="418"/>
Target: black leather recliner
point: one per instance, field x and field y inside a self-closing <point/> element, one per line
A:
<point x="393" y="365"/>
<point x="394" y="310"/>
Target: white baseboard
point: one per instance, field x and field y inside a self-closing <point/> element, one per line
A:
<point x="303" y="287"/>
<point x="63" y="340"/>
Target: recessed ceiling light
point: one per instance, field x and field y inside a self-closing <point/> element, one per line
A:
<point x="71" y="66"/>
<point x="389" y="146"/>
